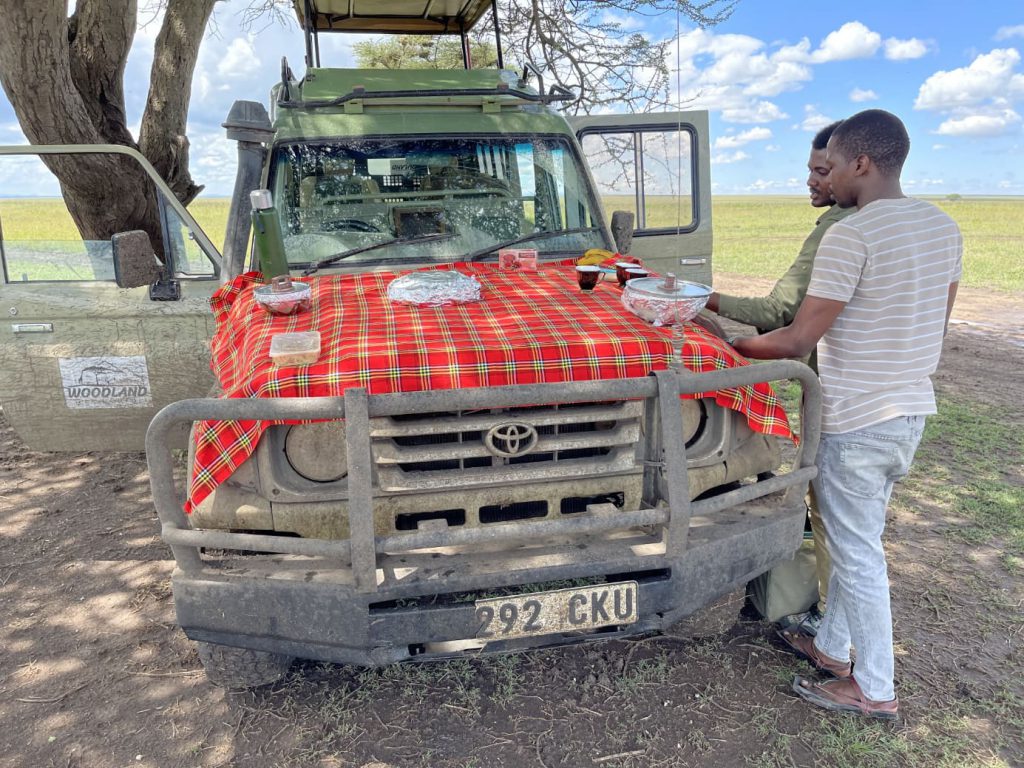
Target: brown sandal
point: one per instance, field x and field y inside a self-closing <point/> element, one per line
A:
<point x="803" y="646"/>
<point x="844" y="695"/>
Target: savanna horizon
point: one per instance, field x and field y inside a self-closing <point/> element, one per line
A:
<point x="756" y="235"/>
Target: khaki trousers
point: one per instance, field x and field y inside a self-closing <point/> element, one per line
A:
<point x="823" y="562"/>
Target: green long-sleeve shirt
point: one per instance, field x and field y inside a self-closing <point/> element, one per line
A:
<point x="778" y="308"/>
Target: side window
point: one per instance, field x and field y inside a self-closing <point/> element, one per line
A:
<point x="39" y="240"/>
<point x="190" y="260"/>
<point x="49" y="233"/>
<point x="648" y="171"/>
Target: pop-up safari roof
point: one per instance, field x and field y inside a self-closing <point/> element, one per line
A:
<point x="409" y="17"/>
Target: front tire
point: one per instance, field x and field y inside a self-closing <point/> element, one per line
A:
<point x="229" y="667"/>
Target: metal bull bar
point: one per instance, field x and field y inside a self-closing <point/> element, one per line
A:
<point x="357" y="407"/>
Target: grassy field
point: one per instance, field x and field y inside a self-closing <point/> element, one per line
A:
<point x="754" y="235"/>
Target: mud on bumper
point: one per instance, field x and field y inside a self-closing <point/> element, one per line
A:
<point x="374" y="600"/>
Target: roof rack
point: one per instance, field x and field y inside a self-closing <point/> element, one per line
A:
<point x="555" y="93"/>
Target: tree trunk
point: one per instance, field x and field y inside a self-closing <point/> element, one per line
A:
<point x="64" y="77"/>
<point x="162" y="136"/>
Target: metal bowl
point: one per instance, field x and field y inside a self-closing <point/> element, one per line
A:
<point x="278" y="300"/>
<point x="664" y="301"/>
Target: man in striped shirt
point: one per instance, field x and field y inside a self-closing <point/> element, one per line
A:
<point x="882" y="288"/>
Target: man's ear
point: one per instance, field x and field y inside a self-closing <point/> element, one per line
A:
<point x="861" y="165"/>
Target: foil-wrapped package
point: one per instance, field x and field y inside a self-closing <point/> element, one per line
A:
<point x="434" y="288"/>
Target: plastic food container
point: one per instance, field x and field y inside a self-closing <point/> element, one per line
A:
<point x="299" y="348"/>
<point x="664" y="301"/>
<point x="283" y="296"/>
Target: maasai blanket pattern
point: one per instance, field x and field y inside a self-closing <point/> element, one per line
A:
<point x="528" y="327"/>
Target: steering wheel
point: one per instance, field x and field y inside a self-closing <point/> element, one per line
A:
<point x="349" y="225"/>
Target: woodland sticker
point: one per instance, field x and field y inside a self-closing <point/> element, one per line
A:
<point x="105" y="382"/>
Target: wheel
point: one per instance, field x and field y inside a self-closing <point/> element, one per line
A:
<point x="241" y="667"/>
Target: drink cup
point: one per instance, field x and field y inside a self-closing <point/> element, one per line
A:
<point x="588" y="276"/>
<point x="620" y="271"/>
<point x="634" y="272"/>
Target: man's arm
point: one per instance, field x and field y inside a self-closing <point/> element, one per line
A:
<point x="949" y="304"/>
<point x="814" y="317"/>
<point x="779" y="307"/>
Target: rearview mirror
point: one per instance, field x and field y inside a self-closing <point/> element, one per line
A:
<point x="135" y="262"/>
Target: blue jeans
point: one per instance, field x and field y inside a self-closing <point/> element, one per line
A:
<point x="856" y="472"/>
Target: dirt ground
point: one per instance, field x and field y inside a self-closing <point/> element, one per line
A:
<point x="94" y="673"/>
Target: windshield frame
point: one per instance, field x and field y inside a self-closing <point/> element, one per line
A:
<point x="565" y="141"/>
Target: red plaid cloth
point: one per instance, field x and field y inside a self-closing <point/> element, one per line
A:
<point x="528" y="328"/>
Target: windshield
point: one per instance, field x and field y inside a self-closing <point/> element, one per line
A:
<point x="474" y="193"/>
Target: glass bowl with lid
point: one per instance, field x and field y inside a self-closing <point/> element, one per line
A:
<point x="665" y="300"/>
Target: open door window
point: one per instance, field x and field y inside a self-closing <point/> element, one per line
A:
<point x="84" y="363"/>
<point x="657" y="168"/>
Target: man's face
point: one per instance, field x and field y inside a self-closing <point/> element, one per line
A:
<point x="817" y="179"/>
<point x="841" y="179"/>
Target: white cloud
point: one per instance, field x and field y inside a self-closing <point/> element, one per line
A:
<point x="1005" y="33"/>
<point x="979" y="124"/>
<point x="979" y="99"/>
<point x="724" y="158"/>
<point x="939" y="147"/>
<point x="739" y="139"/>
<point x="863" y="94"/>
<point x="239" y="60"/>
<point x="923" y="183"/>
<point x="813" y="119"/>
<point x="763" y="185"/>
<point x="901" y="50"/>
<point x="739" y="76"/>
<point x="213" y="160"/>
<point x="853" y="40"/>
<point x="753" y="112"/>
<point x="735" y="74"/>
<point x="989" y="76"/>
<point x="772" y="147"/>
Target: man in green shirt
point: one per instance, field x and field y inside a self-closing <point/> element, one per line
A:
<point x="777" y="310"/>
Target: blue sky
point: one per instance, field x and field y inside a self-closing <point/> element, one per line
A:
<point x="770" y="76"/>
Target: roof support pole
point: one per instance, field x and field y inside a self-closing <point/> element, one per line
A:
<point x="497" y="34"/>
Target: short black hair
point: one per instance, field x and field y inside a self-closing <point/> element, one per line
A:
<point x="820" y="140"/>
<point x="876" y="133"/>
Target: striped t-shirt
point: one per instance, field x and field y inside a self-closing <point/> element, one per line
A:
<point x="892" y="263"/>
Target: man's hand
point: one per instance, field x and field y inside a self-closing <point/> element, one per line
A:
<point x="712" y="302"/>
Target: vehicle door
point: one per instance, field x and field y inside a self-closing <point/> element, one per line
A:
<point x="657" y="167"/>
<point x="84" y="364"/>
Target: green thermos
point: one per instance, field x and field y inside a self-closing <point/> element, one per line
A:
<point x="266" y="235"/>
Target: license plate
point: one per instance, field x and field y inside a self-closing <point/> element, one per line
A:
<point x="564" y="610"/>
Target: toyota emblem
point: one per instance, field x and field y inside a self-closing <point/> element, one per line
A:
<point x="513" y="438"/>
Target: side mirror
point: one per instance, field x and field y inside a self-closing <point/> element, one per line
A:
<point x="622" y="230"/>
<point x="135" y="262"/>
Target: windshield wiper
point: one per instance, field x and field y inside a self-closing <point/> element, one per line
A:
<point x="475" y="255"/>
<point x="374" y="246"/>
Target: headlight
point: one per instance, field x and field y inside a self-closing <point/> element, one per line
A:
<point x="695" y="416"/>
<point x="317" y="451"/>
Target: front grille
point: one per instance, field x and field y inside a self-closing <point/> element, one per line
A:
<point x="442" y="450"/>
